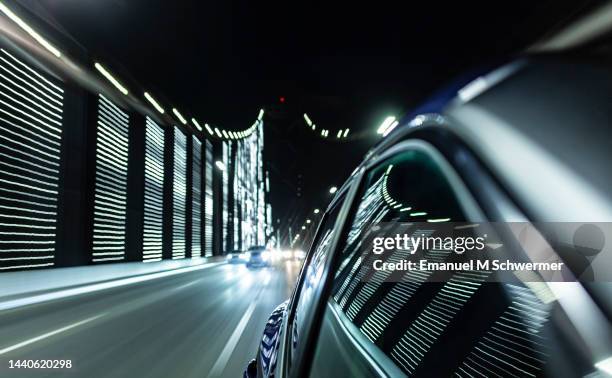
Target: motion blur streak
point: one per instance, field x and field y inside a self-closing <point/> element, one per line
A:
<point x="174" y="326"/>
<point x="95" y="287"/>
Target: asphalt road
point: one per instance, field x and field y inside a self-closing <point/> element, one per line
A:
<point x="203" y="323"/>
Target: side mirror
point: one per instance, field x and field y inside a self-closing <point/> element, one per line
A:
<point x="251" y="370"/>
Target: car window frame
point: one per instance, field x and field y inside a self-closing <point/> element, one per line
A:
<point x="343" y="198"/>
<point x="377" y="359"/>
<point x="496" y="203"/>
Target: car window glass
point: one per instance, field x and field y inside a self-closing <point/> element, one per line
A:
<point x="311" y="280"/>
<point x="462" y="326"/>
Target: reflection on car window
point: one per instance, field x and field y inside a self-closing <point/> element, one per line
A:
<point x="311" y="283"/>
<point x="463" y="326"/>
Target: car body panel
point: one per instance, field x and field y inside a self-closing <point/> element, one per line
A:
<point x="539" y="118"/>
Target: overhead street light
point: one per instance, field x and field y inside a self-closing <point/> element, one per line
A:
<point x="22" y="24"/>
<point x="197" y="125"/>
<point x="388" y="124"/>
<point x="110" y="78"/>
<point x="316" y="211"/>
<point x="179" y="116"/>
<point x="333" y="189"/>
<point x="155" y="104"/>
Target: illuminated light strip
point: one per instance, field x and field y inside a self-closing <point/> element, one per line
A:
<point x="155" y="104"/>
<point x="438" y="220"/>
<point x="110" y="78"/>
<point x="418" y="214"/>
<point x="339" y="135"/>
<point x="225" y="134"/>
<point x="260" y="115"/>
<point x="345" y="133"/>
<point x="179" y="116"/>
<point x="197" y="125"/>
<point x="26" y="258"/>
<point x="218" y="133"/>
<point x="28" y="210"/>
<point x="179" y="198"/>
<point x="307" y="119"/>
<point x="22" y="24"/>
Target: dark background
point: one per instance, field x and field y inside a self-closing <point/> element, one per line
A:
<point x="346" y="64"/>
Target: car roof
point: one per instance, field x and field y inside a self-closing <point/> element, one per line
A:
<point x="540" y="123"/>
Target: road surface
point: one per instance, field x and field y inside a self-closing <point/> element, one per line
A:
<point x="202" y="323"/>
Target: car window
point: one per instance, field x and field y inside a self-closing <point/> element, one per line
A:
<point x="462" y="326"/>
<point x="311" y="282"/>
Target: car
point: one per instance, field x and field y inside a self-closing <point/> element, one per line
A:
<point x="236" y="257"/>
<point x="258" y="256"/>
<point x="527" y="142"/>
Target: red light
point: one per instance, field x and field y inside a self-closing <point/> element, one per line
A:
<point x="282" y="99"/>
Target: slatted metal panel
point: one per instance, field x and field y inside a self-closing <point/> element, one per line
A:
<point x="196" y="203"/>
<point x="154" y="192"/>
<point x="225" y="153"/>
<point x="208" y="200"/>
<point x="31" y="106"/>
<point x="179" y="194"/>
<point x="111" y="182"/>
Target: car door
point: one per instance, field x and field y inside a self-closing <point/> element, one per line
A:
<point x="307" y="297"/>
<point x="463" y="326"/>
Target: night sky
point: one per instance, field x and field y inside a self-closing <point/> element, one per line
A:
<point x="345" y="64"/>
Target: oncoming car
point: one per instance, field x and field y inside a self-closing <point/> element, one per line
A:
<point x="258" y="256"/>
<point x="236" y="257"/>
<point x="528" y="142"/>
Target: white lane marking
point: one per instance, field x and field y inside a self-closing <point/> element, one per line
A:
<point x="60" y="294"/>
<point x="226" y="353"/>
<point x="48" y="334"/>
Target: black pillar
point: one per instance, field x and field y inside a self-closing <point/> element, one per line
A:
<point x="168" y="190"/>
<point x="74" y="224"/>
<point x="135" y="188"/>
